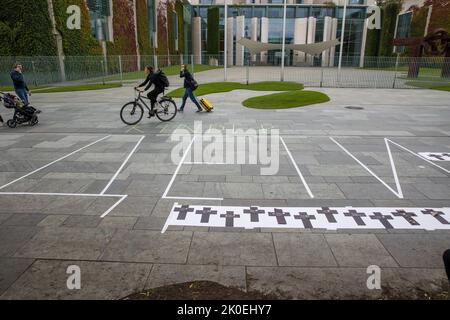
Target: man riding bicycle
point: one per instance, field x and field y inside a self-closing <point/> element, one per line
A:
<point x="152" y="79"/>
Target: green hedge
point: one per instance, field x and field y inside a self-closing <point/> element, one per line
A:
<point x="26" y="29"/>
<point x="76" y="42"/>
<point x="212" y="45"/>
<point x="390" y="11"/>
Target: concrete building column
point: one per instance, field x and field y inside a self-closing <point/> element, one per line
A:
<point x="300" y="33"/>
<point x="58" y="40"/>
<point x="138" y="49"/>
<point x="363" y="43"/>
<point x="197" y="39"/>
<point x="254" y="34"/>
<point x="326" y="36"/>
<point x="334" y="25"/>
<point x="264" y="36"/>
<point x="240" y="33"/>
<point x="230" y="41"/>
<point x="311" y="36"/>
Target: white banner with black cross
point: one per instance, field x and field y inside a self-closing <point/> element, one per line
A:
<point x="329" y="218"/>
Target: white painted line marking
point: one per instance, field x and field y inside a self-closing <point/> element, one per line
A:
<point x="206" y="163"/>
<point x="297" y="169"/>
<point x="178" y="168"/>
<point x="419" y="156"/>
<point x="397" y="193"/>
<point x="394" y="170"/>
<point x="169" y="219"/>
<point x="113" y="207"/>
<point x="135" y="127"/>
<point x="193" y="198"/>
<point x="123" y="165"/>
<point x="53" y="162"/>
<point x="61" y="194"/>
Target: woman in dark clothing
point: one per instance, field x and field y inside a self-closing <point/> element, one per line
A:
<point x="152" y="79"/>
<point x="189" y="90"/>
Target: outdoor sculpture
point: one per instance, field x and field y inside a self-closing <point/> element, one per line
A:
<point x="435" y="43"/>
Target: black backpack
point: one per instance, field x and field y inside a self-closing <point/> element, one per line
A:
<point x="162" y="79"/>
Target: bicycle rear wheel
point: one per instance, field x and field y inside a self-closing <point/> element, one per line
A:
<point x="131" y="113"/>
<point x="166" y="110"/>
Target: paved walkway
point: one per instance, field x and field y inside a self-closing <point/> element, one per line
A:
<point x="52" y="219"/>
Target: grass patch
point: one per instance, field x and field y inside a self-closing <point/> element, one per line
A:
<point x="169" y="71"/>
<point x="443" y="86"/>
<point x="82" y="87"/>
<point x="423" y="71"/>
<point x="11" y="88"/>
<point x="218" y="87"/>
<point x="285" y="100"/>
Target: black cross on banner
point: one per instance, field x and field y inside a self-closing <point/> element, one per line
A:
<point x="328" y="213"/>
<point x="436" y="215"/>
<point x="183" y="211"/>
<point x="407" y="215"/>
<point x="280" y="215"/>
<point x="383" y="219"/>
<point x="206" y="213"/>
<point x="306" y="219"/>
<point x="356" y="216"/>
<point x="254" y="213"/>
<point x="229" y="218"/>
<point x="437" y="156"/>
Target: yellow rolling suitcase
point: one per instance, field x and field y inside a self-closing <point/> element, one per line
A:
<point x="206" y="105"/>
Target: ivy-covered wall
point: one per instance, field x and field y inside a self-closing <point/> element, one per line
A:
<point x="170" y="24"/>
<point x="418" y="21"/>
<point x="390" y="10"/>
<point x="75" y="42"/>
<point x="161" y="16"/>
<point x="180" y="14"/>
<point x="26" y="29"/>
<point x="440" y="15"/>
<point x="212" y="45"/>
<point x="124" y="34"/>
<point x="145" y="46"/>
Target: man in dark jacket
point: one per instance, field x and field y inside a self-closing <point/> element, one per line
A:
<point x="189" y="89"/>
<point x="152" y="79"/>
<point x="20" y="86"/>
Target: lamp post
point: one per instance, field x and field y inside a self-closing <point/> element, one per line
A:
<point x="225" y="42"/>
<point x="342" y="38"/>
<point x="283" y="46"/>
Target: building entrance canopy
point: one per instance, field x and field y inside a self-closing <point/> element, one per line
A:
<point x="313" y="48"/>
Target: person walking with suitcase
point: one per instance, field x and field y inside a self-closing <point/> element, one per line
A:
<point x="189" y="87"/>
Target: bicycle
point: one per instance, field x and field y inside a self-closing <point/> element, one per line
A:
<point x="132" y="112"/>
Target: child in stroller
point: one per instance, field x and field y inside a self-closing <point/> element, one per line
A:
<point x="22" y="113"/>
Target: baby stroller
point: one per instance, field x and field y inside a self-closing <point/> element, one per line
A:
<point x="22" y="113"/>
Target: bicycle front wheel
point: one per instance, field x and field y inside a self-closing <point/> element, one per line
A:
<point x="131" y="113"/>
<point x="166" y="110"/>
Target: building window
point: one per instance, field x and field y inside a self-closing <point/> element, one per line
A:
<point x="99" y="11"/>
<point x="403" y="29"/>
<point x="152" y="23"/>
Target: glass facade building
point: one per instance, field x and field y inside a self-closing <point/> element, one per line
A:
<point x="273" y="14"/>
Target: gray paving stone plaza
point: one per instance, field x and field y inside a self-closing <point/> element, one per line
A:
<point x="61" y="215"/>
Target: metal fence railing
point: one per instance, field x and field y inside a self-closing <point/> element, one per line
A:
<point x="357" y="72"/>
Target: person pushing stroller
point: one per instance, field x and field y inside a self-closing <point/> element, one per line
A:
<point x="20" y="86"/>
